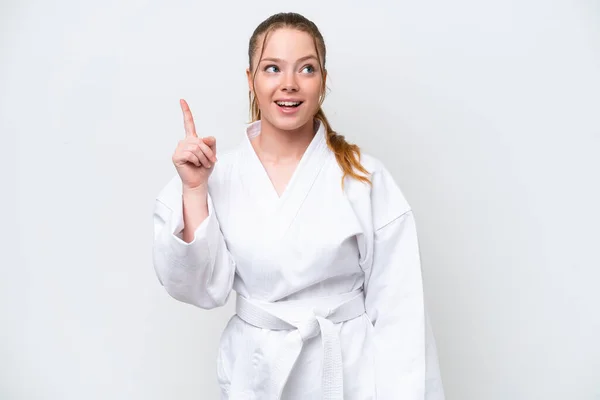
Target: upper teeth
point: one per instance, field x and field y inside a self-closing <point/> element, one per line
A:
<point x="288" y="103"/>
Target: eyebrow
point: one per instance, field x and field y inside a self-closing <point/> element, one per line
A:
<point x="279" y="60"/>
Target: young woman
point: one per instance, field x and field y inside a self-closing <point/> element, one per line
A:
<point x="317" y="241"/>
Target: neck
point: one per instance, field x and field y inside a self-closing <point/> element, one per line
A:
<point x="276" y="145"/>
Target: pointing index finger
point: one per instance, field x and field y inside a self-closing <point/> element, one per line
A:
<point x="188" y="120"/>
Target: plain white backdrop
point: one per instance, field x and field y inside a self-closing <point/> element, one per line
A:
<point x="487" y="113"/>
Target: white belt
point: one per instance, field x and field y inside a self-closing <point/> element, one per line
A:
<point x="315" y="321"/>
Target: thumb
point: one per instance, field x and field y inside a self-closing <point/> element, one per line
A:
<point x="210" y="141"/>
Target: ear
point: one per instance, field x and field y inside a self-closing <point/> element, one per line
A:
<point x="249" y="76"/>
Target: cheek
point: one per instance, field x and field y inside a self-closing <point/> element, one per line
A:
<point x="313" y="89"/>
<point x="313" y="86"/>
<point x="265" y="87"/>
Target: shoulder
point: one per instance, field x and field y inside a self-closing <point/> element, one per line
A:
<point x="386" y="198"/>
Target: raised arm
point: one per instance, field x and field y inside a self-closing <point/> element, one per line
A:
<point x="190" y="256"/>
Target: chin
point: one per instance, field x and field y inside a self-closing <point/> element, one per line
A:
<point x="290" y="123"/>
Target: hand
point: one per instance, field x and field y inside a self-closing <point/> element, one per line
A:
<point x="194" y="157"/>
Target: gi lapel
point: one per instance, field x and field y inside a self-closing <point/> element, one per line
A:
<point x="281" y="211"/>
<point x="302" y="181"/>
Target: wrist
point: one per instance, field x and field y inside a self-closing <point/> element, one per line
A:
<point x="200" y="190"/>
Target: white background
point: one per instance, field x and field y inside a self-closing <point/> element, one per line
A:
<point x="487" y="113"/>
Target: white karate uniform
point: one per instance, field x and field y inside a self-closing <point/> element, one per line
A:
<point x="328" y="281"/>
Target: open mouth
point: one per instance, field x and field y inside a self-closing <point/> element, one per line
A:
<point x="288" y="104"/>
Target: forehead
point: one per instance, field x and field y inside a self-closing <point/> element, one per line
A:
<point x="288" y="44"/>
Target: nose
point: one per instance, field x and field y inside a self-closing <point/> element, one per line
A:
<point x="289" y="83"/>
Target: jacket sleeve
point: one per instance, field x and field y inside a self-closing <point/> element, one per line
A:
<point x="200" y="272"/>
<point x="406" y="363"/>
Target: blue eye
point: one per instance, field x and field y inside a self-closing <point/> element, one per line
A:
<point x="311" y="69"/>
<point x="271" y="68"/>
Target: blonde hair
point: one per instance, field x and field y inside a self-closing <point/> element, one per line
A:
<point x="346" y="154"/>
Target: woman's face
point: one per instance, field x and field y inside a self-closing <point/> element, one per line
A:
<point x="288" y="79"/>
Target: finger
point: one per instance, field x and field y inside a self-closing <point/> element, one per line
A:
<point x="211" y="142"/>
<point x="185" y="157"/>
<point x="207" y="151"/>
<point x="191" y="157"/>
<point x="195" y="148"/>
<point x="182" y="156"/>
<point x="190" y="143"/>
<point x="188" y="119"/>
